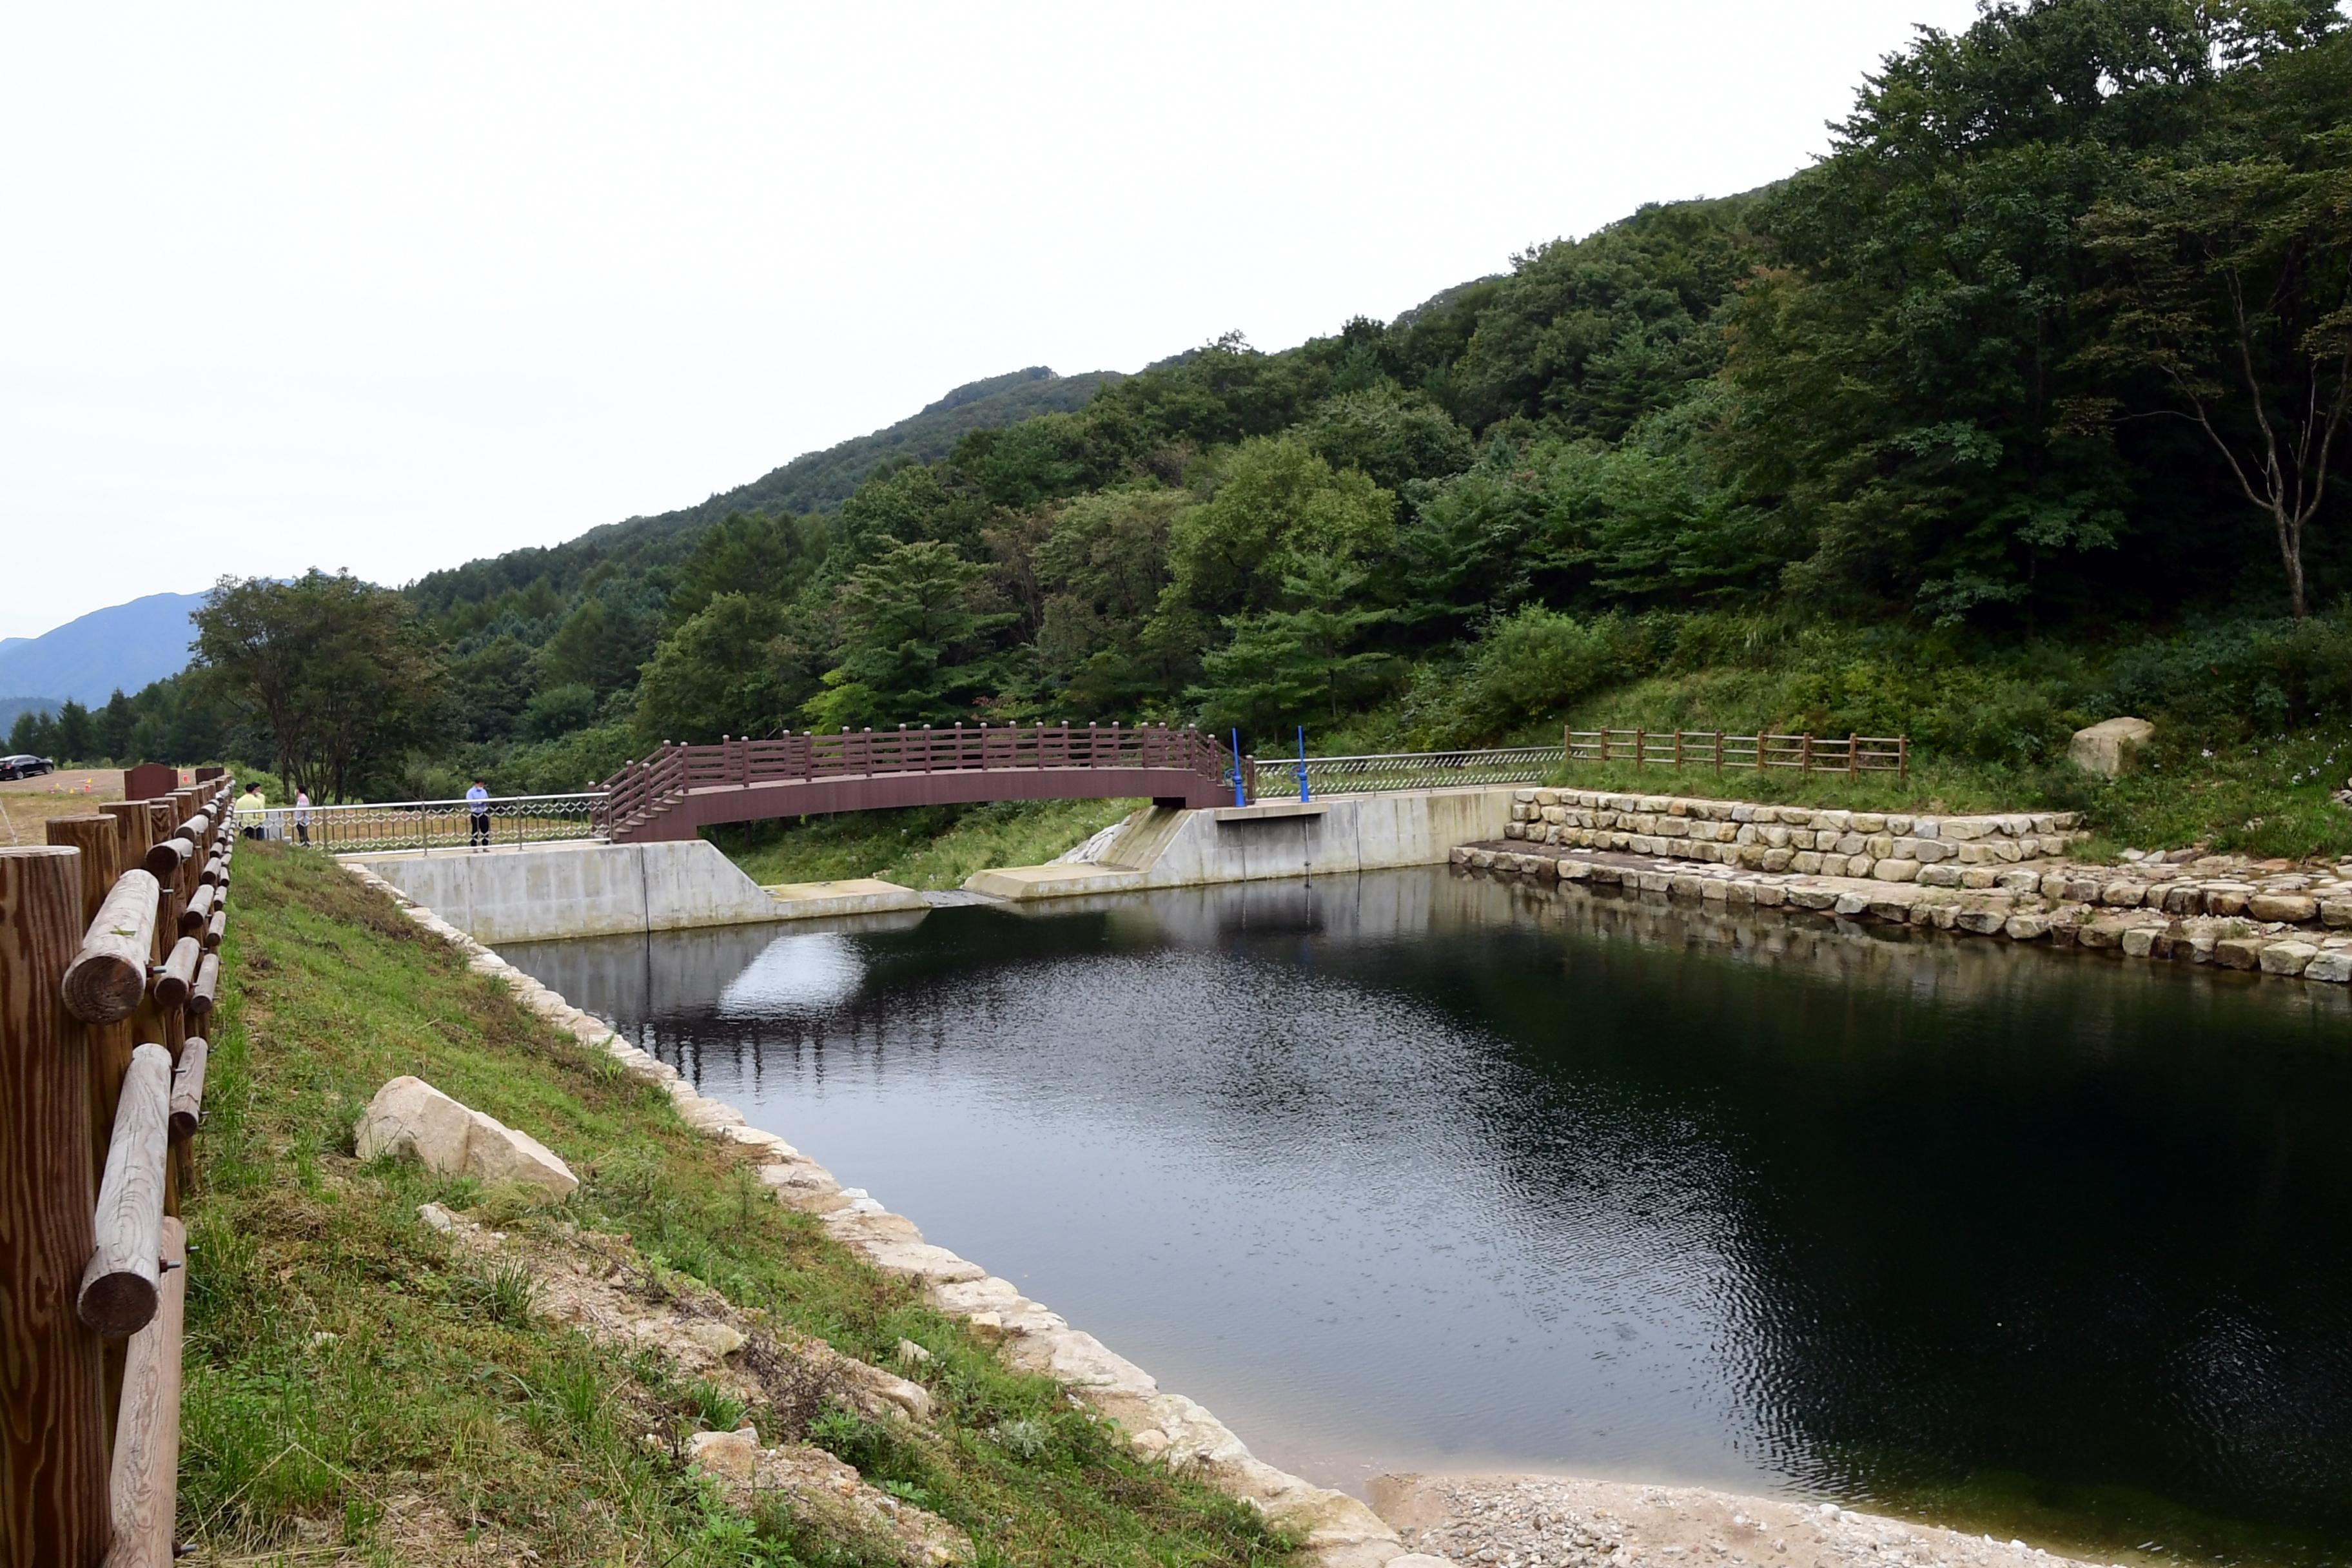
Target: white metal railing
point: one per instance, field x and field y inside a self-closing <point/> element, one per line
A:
<point x="1278" y="777"/>
<point x="435" y="824"/>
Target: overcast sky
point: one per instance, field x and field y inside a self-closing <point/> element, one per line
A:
<point x="388" y="288"/>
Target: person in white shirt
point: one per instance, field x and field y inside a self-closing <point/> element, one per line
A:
<point x="302" y="817"/>
<point x="477" y="807"/>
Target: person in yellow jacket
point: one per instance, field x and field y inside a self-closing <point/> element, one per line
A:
<point x="251" y="811"/>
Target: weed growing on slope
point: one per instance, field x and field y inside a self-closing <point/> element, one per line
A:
<point x="353" y="1388"/>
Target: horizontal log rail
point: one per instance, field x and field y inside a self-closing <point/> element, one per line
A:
<point x="109" y="946"/>
<point x="1850" y="754"/>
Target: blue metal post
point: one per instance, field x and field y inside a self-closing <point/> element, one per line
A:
<point x="1302" y="764"/>
<point x="1239" y="798"/>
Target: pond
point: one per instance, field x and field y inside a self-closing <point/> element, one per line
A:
<point x="1428" y="1170"/>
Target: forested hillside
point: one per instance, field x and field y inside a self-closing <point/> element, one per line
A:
<point x="2024" y="406"/>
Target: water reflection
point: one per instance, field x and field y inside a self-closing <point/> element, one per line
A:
<point x="1423" y="1169"/>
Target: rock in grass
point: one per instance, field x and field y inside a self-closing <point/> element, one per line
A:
<point x="2106" y="749"/>
<point x="409" y="1116"/>
<point x="735" y="1455"/>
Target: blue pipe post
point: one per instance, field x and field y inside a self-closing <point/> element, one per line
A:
<point x="1239" y="799"/>
<point x="1302" y="764"/>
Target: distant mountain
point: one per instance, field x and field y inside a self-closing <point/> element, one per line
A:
<point x="85" y="660"/>
<point x="814" y="481"/>
<point x="821" y="481"/>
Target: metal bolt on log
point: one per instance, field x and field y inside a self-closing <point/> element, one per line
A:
<point x="188" y="1088"/>
<point x="178" y="975"/>
<point x="207" y="990"/>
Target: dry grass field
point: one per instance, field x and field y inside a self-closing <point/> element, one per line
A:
<point x="26" y="803"/>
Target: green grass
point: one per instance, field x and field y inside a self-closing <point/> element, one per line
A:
<point x="353" y="1387"/>
<point x="926" y="848"/>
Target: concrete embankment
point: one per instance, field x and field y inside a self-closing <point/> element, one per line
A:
<point x="553" y="890"/>
<point x="1158" y="848"/>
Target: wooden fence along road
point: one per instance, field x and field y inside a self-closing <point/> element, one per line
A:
<point x="680" y="789"/>
<point x="109" y="963"/>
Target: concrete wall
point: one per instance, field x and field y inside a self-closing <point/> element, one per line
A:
<point x="1352" y="833"/>
<point x="579" y="889"/>
<point x="1343" y="832"/>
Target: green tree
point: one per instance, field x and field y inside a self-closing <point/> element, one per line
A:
<point x="1390" y="437"/>
<point x="768" y="557"/>
<point x="730" y="670"/>
<point x="558" y="710"/>
<point x="2233" y="296"/>
<point x="1590" y="335"/>
<point x="913" y="645"/>
<point x="1100" y="570"/>
<point x="335" y="670"/>
<point x="1282" y="666"/>
<point x="599" y="645"/>
<point x="114" y="724"/>
<point x="24" y="734"/>
<point x="1276" y="503"/>
<point x="75" y="737"/>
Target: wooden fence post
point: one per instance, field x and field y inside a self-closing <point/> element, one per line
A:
<point x="53" y="1447"/>
<point x="1640" y="749"/>
<point x="1805" y="755"/>
<point x="1853" y="758"/>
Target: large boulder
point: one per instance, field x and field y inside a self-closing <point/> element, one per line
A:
<point x="2108" y="747"/>
<point x="409" y="1116"/>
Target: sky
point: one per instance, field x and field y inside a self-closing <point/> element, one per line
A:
<point x="385" y="288"/>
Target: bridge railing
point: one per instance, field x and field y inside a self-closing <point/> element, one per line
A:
<point x="439" y="824"/>
<point x="672" y="769"/>
<point x="1277" y="778"/>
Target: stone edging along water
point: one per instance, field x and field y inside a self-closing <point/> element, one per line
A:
<point x="1991" y="875"/>
<point x="1335" y="1531"/>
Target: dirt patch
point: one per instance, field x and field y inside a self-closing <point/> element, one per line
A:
<point x="1536" y="1521"/>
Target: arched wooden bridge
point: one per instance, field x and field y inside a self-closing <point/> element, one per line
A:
<point x="680" y="789"/>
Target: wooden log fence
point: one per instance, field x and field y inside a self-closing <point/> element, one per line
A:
<point x="1853" y="755"/>
<point x="110" y="941"/>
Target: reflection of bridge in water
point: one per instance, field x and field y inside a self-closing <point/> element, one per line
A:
<point x="682" y="789"/>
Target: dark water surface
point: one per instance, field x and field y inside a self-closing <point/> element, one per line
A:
<point x="1422" y="1170"/>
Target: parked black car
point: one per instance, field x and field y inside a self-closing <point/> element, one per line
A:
<point x="25" y="766"/>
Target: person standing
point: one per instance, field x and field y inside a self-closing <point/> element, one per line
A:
<point x="252" y="811"/>
<point x="302" y="817"/>
<point x="477" y="808"/>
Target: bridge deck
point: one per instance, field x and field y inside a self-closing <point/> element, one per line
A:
<point x="705" y="805"/>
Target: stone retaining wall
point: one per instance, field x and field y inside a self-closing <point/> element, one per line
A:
<point x="2068" y="907"/>
<point x="1938" y="851"/>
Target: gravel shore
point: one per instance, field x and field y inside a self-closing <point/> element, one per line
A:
<point x="1535" y="1521"/>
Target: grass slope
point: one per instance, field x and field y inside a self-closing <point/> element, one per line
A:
<point x="927" y="848"/>
<point x="356" y="1391"/>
